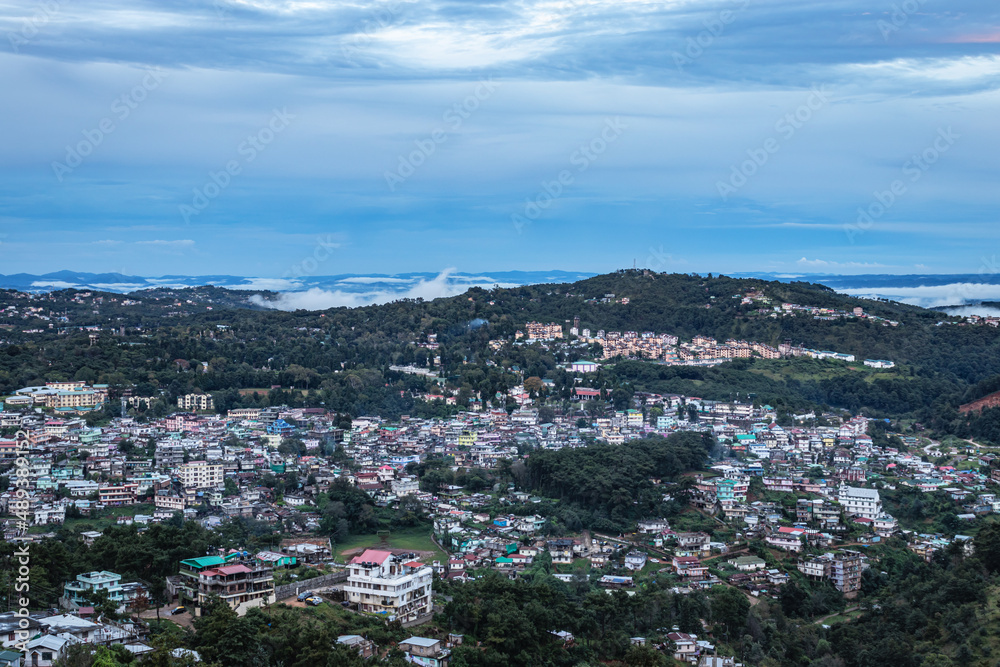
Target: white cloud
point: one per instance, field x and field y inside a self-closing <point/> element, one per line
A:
<point x="932" y="296"/>
<point x="825" y="264"/>
<point x="270" y="284"/>
<point x="368" y="280"/>
<point x="320" y="299"/>
<point x="58" y="284"/>
<point x="170" y="244"/>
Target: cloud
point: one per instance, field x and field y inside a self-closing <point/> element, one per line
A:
<point x="320" y="299"/>
<point x="268" y="284"/>
<point x="182" y="243"/>
<point x="56" y="284"/>
<point x="367" y="280"/>
<point x="932" y="296"/>
<point x="824" y="264"/>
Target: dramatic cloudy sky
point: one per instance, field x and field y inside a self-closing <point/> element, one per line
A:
<point x="420" y="135"/>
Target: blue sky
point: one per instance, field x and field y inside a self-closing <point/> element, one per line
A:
<point x="551" y="134"/>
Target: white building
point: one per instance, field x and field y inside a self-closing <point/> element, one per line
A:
<point x="405" y="486"/>
<point x="201" y="475"/>
<point x="635" y="560"/>
<point x="860" y="502"/>
<point x="381" y="582"/>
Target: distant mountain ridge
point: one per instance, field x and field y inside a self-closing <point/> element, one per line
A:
<point x="939" y="291"/>
<point x="347" y="282"/>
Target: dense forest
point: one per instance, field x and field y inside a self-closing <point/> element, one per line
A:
<point x="609" y="487"/>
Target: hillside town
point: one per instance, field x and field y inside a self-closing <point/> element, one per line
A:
<point x="779" y="499"/>
<point x="667" y="348"/>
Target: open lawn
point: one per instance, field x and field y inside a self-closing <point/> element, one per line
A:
<point x="407" y="539"/>
<point x="804" y="369"/>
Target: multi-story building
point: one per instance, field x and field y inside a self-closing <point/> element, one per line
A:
<point x="842" y="568"/>
<point x="195" y="402"/>
<point x="76" y="399"/>
<point x="76" y="593"/>
<point x="845" y="572"/>
<point x="244" y="413"/>
<point x="381" y="582"/>
<point x="190" y="572"/>
<point x="731" y="490"/>
<point x="425" y="651"/>
<point x="117" y="494"/>
<point x="239" y="586"/>
<point x="860" y="502"/>
<point x="539" y="331"/>
<point x="168" y="455"/>
<point x="201" y="475"/>
<point x="815" y="568"/>
<point x="166" y="500"/>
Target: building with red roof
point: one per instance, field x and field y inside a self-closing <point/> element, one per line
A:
<point x="237" y="585"/>
<point x="396" y="585"/>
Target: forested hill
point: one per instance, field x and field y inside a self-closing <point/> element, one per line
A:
<point x="208" y="338"/>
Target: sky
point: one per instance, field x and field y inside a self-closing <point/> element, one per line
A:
<point x="279" y="138"/>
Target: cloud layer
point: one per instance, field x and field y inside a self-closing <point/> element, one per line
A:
<point x="490" y="123"/>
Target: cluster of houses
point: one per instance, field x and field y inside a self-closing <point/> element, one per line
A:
<point x="755" y="297"/>
<point x="43" y="638"/>
<point x="211" y="467"/>
<point x="700" y="350"/>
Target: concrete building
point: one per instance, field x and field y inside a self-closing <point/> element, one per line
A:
<point x="239" y="586"/>
<point x="196" y="402"/>
<point x="381" y="582"/>
<point x="118" y="494"/>
<point x="425" y="651"/>
<point x="201" y="475"/>
<point x="860" y="502"/>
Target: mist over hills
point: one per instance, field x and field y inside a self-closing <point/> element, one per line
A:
<point x="954" y="293"/>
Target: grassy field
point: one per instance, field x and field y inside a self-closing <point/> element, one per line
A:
<point x="413" y="539"/>
<point x="816" y="369"/>
<point x="842" y="618"/>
